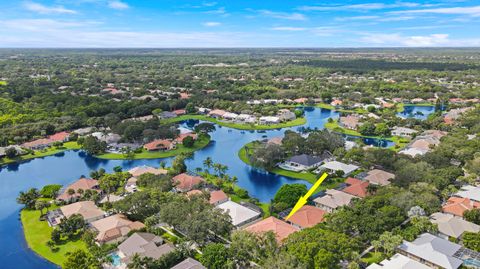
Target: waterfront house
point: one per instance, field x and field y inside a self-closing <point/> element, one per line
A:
<point x="143" y="245"/>
<point x="189" y="263"/>
<point x="246" y="118"/>
<point x="332" y="200"/>
<point x="351" y="122"/>
<point x="286" y="115"/>
<point x="82" y="184"/>
<point x="336" y="103"/>
<point x="87" y="209"/>
<point x="307" y="216"/>
<point x="217" y="113"/>
<point x="167" y="115"/>
<point x="114" y="228"/>
<point x="301" y="162"/>
<point x="3" y="150"/>
<point x="180" y="137"/>
<point x="144" y="169"/>
<point x="230" y="116"/>
<point x="109" y="138"/>
<point x="46" y="142"/>
<point x="432" y="251"/>
<point x="240" y="215"/>
<point x="280" y="228"/>
<point x="179" y="112"/>
<point x="275" y="140"/>
<point x="185" y="182"/>
<point x="269" y="120"/>
<point x="452" y="226"/>
<point x="159" y="144"/>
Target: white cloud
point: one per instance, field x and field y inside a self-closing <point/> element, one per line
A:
<point x="283" y="15"/>
<point x="470" y="11"/>
<point x="118" y="5"/>
<point x="42" y="9"/>
<point x="356" y="18"/>
<point x="360" y="7"/>
<point x="211" y="24"/>
<point x="288" y="28"/>
<point x="432" y="40"/>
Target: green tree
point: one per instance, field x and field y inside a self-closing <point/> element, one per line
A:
<point x="94" y="146"/>
<point x="41" y="205"/>
<point x="471" y="240"/>
<point x="79" y="259"/>
<point x="289" y="194"/>
<point x="472" y="215"/>
<point x="216" y="256"/>
<point x="28" y="198"/>
<point x="50" y="191"/>
<point x="11" y="152"/>
<point x="188" y="142"/>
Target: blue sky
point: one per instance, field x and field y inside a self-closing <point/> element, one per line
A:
<point x="247" y="23"/>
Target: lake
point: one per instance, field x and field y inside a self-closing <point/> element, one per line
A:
<point x="68" y="166"/>
<point x="417" y="112"/>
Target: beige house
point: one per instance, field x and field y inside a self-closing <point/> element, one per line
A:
<point x="114" y="228"/>
<point x="379" y="177"/>
<point x="87" y="209"/>
<point x="332" y="200"/>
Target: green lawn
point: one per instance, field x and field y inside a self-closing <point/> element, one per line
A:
<point x="3" y="83"/>
<point x="37" y="234"/>
<point x="373" y="257"/>
<point x="42" y="153"/>
<point x="400" y="142"/>
<point x="240" y="126"/>
<point x="199" y="144"/>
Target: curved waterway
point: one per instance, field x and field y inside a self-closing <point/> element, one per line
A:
<point x="68" y="166"/>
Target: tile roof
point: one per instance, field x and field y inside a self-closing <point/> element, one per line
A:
<point x="307" y="216"/>
<point x="398" y="261"/>
<point x="113" y="227"/>
<point x="83" y="183"/>
<point x="159" y="144"/>
<point x="186" y="182"/>
<point x="140" y="170"/>
<point x="379" y="177"/>
<point x="189" y="263"/>
<point x="217" y="196"/>
<point x="87" y="209"/>
<point x="457" y="206"/>
<point x="334" y="199"/>
<point x="306" y="160"/>
<point x="452" y="225"/>
<point x="281" y="229"/>
<point x="356" y="187"/>
<point x="145" y="245"/>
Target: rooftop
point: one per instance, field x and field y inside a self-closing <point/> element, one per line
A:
<point x="307" y="216"/>
<point x="239" y="213"/>
<point x="281" y="229"/>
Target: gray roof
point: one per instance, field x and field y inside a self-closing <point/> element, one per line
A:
<point x="189" y="263"/>
<point x="144" y="244"/>
<point x="433" y="249"/>
<point x="306" y="160"/>
<point x="452" y="225"/>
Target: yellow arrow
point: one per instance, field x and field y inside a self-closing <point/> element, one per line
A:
<point x="303" y="200"/>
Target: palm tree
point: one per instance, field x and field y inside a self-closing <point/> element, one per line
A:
<point x="217" y="167"/>
<point x="208" y="163"/>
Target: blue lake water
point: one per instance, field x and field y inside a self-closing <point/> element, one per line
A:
<point x="66" y="167"/>
<point x="417" y="112"/>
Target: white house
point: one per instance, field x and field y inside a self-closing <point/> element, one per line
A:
<point x="337" y="166"/>
<point x="403" y="131"/>
<point x="269" y="120"/>
<point x="240" y="214"/>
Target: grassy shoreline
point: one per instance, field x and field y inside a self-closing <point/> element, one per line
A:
<point x="37" y="233"/>
<point x="42" y="153"/>
<point x="199" y="144"/>
<point x="240" y="126"/>
<point x="400" y="142"/>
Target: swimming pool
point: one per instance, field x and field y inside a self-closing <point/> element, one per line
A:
<point x="116" y="259"/>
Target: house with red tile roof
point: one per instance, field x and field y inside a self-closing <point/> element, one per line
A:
<point x="185" y="182"/>
<point x="59" y="137"/>
<point x="179" y="112"/>
<point x="336" y="102"/>
<point x="307" y="216"/>
<point x="159" y="144"/>
<point x="280" y="228"/>
<point x="217" y="113"/>
<point x="457" y="206"/>
<point x="218" y="197"/>
<point x="356" y="187"/>
<point x="300" y="100"/>
<point x="180" y="138"/>
<point x="350" y="122"/>
<point x="81" y="184"/>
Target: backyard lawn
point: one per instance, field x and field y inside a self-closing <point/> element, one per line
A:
<point x="37" y="234"/>
<point x="42" y="153"/>
<point x="240" y="126"/>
